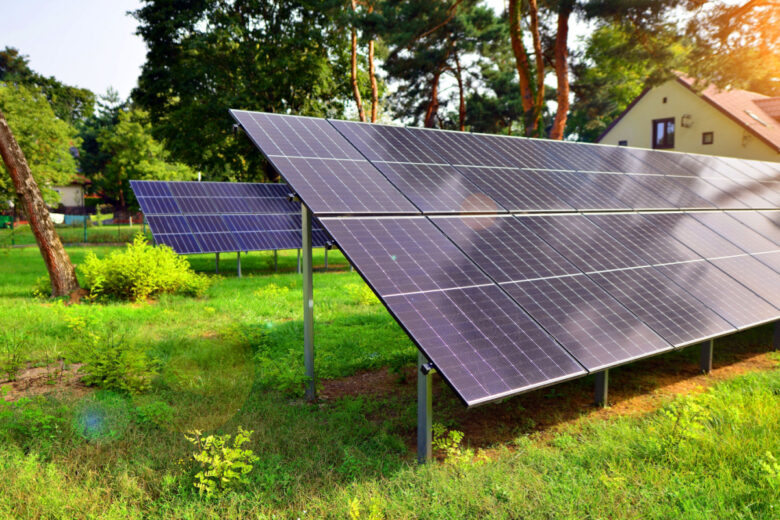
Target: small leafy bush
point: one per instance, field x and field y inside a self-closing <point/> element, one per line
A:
<point x="10" y="354"/>
<point x="153" y="414"/>
<point x="42" y="288"/>
<point x="361" y="293"/>
<point x="29" y="421"/>
<point x="139" y="272"/>
<point x="223" y="463"/>
<point x="112" y="362"/>
<point x="272" y="291"/>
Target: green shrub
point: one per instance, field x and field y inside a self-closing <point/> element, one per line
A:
<point x="223" y="464"/>
<point x="29" y="421"/>
<point x="153" y="414"/>
<point x="111" y="361"/>
<point x="139" y="272"/>
<point x="10" y="354"/>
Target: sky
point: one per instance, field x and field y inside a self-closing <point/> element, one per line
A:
<point x="85" y="43"/>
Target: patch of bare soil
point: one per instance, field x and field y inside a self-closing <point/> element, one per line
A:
<point x="44" y="380"/>
<point x="633" y="390"/>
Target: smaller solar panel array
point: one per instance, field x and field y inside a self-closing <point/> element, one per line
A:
<point x="216" y="217"/>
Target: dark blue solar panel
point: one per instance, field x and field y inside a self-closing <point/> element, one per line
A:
<point x="693" y="234"/>
<point x="761" y="222"/>
<point x="386" y="143"/>
<point x="158" y="205"/>
<point x="517" y="190"/>
<point x="182" y="244"/>
<point x="504" y="248"/>
<point x="730" y="299"/>
<point x="150" y="189"/>
<point x="438" y="188"/>
<point x="460" y="148"/>
<point x="168" y="224"/>
<point x="676" y="193"/>
<point x="578" y="191"/>
<point x="597" y="330"/>
<point x="625" y="189"/>
<point x="736" y="232"/>
<point x="753" y="274"/>
<point x="709" y="192"/>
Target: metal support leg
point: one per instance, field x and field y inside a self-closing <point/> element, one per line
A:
<point x="424" y="411"/>
<point x="601" y="393"/>
<point x="238" y="263"/>
<point x="705" y="356"/>
<point x="299" y="261"/>
<point x="216" y="263"/>
<point x="326" y="258"/>
<point x="276" y="260"/>
<point x="776" y="336"/>
<point x="308" y="307"/>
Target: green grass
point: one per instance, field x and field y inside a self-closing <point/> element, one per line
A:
<point x="22" y="235"/>
<point x="233" y="358"/>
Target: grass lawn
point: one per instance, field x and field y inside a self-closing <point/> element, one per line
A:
<point x="234" y="358"/>
<point x="22" y="235"/>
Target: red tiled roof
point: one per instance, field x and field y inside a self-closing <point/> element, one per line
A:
<point x="749" y="109"/>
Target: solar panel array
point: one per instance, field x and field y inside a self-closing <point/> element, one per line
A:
<point x="516" y="263"/>
<point x="214" y="217"/>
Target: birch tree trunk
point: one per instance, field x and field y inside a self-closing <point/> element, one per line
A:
<point x="61" y="271"/>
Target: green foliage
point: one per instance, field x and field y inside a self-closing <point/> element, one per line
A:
<point x="29" y="422"/>
<point x="110" y="361"/>
<point x="361" y="293"/>
<point x="11" y="353"/>
<point x="153" y="414"/>
<point x="374" y="510"/>
<point x="70" y="104"/>
<point x="681" y="423"/>
<point x="133" y="155"/>
<point x="139" y="272"/>
<point x="223" y="464"/>
<point x="45" y="140"/>
<point x="206" y="57"/>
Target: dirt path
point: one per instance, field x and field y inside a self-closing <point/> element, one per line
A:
<point x="634" y="389"/>
<point x="43" y="380"/>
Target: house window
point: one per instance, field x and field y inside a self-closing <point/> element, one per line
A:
<point x="663" y="133"/>
<point x="623" y="143"/>
<point x="707" y="138"/>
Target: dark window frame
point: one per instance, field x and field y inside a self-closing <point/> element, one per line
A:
<point x="704" y="136"/>
<point x="668" y="138"/>
<point x="623" y="142"/>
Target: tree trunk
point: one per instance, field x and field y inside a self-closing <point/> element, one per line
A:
<point x="461" y="96"/>
<point x="522" y="63"/>
<point x="562" y="70"/>
<point x="433" y="104"/>
<point x="533" y="11"/>
<point x="354" y="71"/>
<point x="61" y="270"/>
<point x="374" y="88"/>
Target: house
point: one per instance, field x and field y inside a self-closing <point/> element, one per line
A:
<point x="72" y="195"/>
<point x="675" y="116"/>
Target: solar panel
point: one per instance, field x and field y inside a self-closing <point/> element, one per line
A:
<point x="631" y="193"/>
<point x="438" y="188"/>
<point x="665" y="307"/>
<point x="461" y="149"/>
<point x="403" y="255"/>
<point x="769" y="191"/>
<point x="578" y="191"/>
<point x="583" y="243"/>
<point x="590" y="324"/>
<point x="648" y="241"/>
<point x="482" y="343"/>
<point x="504" y="248"/>
<point x="480" y="340"/>
<point x="770" y="259"/>
<point x="678" y="195"/>
<point x="707" y="191"/>
<point x="693" y="234"/>
<point x="745" y="194"/>
<point x="245" y="216"/>
<point x="736" y="232"/>
<point x="753" y="274"/>
<point x="515" y="189"/>
<point x="321" y="166"/>
<point x="731" y="300"/>
<point x="386" y="143"/>
<point x="762" y="223"/>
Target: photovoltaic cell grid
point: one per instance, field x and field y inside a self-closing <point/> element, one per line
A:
<point x="592" y="290"/>
<point x="215" y="217"/>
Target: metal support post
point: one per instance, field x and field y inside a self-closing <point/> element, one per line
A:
<point x="299" y="261"/>
<point x="238" y="263"/>
<point x="216" y="263"/>
<point x="326" y="258"/>
<point x="424" y="410"/>
<point x="776" y="336"/>
<point x="705" y="356"/>
<point x="308" y="307"/>
<point x="276" y="260"/>
<point x="601" y="393"/>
